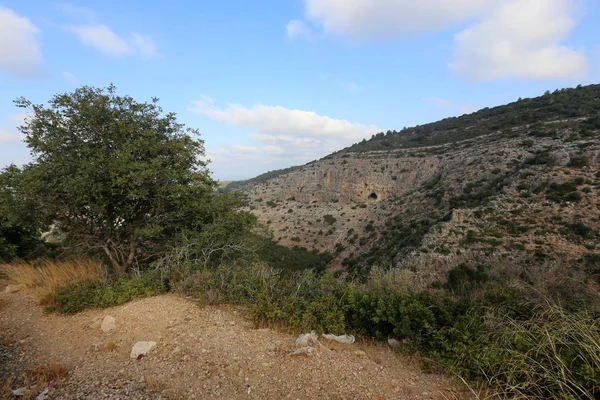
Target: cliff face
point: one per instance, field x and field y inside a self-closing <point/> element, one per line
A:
<point x="506" y="195"/>
<point x="352" y="179"/>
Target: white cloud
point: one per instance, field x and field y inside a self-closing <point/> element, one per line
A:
<point x="70" y="78"/>
<point x="108" y="42"/>
<point x="20" y="53"/>
<point x="80" y="13"/>
<point x="8" y="131"/>
<point x="520" y="38"/>
<point x="504" y="38"/>
<point x="102" y="38"/>
<point x="18" y="119"/>
<point x="279" y="136"/>
<point x="296" y="28"/>
<point x="278" y="120"/>
<point x="388" y="19"/>
<point x="10" y="137"/>
<point x="438" y="102"/>
<point x="144" y="45"/>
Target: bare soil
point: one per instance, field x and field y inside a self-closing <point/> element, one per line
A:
<point x="201" y="353"/>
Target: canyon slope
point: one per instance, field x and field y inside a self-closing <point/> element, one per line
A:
<point x="508" y="187"/>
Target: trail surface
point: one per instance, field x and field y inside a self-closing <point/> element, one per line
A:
<point x="201" y="353"/>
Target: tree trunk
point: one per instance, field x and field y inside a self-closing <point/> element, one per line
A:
<point x="131" y="255"/>
<point x="118" y="268"/>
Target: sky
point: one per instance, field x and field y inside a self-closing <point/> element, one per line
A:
<point x="275" y="83"/>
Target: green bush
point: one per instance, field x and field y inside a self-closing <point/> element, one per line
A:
<point x="579" y="161"/>
<point x="101" y="295"/>
<point x="553" y="355"/>
<point x="329" y="219"/>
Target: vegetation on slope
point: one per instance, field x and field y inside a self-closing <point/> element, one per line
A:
<point x="520" y="328"/>
<point x="241" y="185"/>
<point x="580" y="102"/>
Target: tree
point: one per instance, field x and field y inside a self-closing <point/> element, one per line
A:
<point x="19" y="233"/>
<point x="114" y="174"/>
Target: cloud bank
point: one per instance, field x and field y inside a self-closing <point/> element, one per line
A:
<point x="521" y="39"/>
<point x="281" y="136"/>
<point x="20" y="53"/>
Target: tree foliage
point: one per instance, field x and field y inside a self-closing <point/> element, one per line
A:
<point x="19" y="234"/>
<point x="117" y="175"/>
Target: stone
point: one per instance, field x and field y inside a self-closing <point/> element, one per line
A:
<point x="141" y="348"/>
<point x="393" y="342"/>
<point x="305" y="351"/>
<point x="13" y="288"/>
<point x="108" y="324"/>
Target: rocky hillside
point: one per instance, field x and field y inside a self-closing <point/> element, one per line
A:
<point x="514" y="183"/>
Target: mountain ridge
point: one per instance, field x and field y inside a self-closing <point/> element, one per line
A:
<point x="472" y="196"/>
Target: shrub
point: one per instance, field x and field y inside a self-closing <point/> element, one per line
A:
<point x="579" y="161"/>
<point x="86" y="295"/>
<point x="552" y="355"/>
<point x="329" y="219"/>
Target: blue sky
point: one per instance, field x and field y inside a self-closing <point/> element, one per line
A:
<point x="274" y="83"/>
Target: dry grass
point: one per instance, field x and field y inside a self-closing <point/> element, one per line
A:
<point x="48" y="373"/>
<point x="41" y="281"/>
<point x="35" y="379"/>
<point x="106" y="347"/>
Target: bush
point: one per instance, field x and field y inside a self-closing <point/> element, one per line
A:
<point x="553" y="355"/>
<point x="329" y="219"/>
<point x="86" y="295"/>
<point x="579" y="161"/>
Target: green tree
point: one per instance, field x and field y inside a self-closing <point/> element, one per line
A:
<point x="19" y="234"/>
<point x="116" y="175"/>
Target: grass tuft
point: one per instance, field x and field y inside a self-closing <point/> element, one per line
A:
<point x="46" y="373"/>
<point x="41" y="281"/>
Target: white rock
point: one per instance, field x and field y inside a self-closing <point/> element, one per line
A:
<point x="13" y="289"/>
<point x="108" y="324"/>
<point x="393" y="342"/>
<point x="19" y="391"/>
<point x="307" y="339"/>
<point x="141" y="348"/>
<point x="305" y="351"/>
<point x="347" y="339"/>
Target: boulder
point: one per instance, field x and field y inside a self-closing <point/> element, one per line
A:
<point x="141" y="348"/>
<point x="108" y="324"/>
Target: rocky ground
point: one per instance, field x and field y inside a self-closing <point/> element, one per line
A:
<point x="200" y="353"/>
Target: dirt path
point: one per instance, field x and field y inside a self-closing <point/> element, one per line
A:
<point x="201" y="353"/>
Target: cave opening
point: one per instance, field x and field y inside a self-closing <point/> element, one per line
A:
<point x="373" y="196"/>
